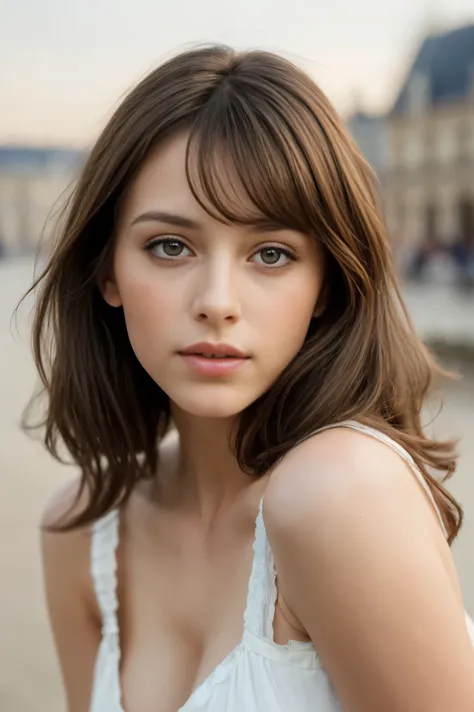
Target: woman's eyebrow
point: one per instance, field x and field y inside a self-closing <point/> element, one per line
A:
<point x="267" y="225"/>
<point x="168" y="218"/>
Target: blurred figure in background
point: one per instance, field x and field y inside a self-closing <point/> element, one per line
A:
<point x="462" y="251"/>
<point x="424" y="256"/>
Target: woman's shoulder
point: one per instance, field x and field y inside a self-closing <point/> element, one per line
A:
<point x="66" y="552"/>
<point x="334" y="460"/>
<point x="66" y="547"/>
<point x="64" y="505"/>
<point x="341" y="475"/>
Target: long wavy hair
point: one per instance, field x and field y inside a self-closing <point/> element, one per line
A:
<point x="361" y="358"/>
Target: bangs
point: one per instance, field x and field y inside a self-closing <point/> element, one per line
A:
<point x="245" y="164"/>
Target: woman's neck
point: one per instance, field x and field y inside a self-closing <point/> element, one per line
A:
<point x="207" y="476"/>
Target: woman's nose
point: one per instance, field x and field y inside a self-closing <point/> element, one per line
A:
<point x="216" y="299"/>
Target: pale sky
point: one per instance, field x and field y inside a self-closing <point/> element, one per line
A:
<point x="66" y="63"/>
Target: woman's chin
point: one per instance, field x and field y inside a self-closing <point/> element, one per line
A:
<point x="210" y="410"/>
<point x="212" y="405"/>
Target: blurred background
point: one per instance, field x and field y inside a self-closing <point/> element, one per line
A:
<point x="402" y="76"/>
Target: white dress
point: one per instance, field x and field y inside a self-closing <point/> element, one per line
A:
<point x="258" y="675"/>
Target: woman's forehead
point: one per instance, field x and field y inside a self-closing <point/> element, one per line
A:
<point x="171" y="179"/>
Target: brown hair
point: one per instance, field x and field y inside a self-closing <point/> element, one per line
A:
<point x="361" y="359"/>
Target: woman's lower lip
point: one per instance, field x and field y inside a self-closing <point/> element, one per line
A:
<point x="213" y="366"/>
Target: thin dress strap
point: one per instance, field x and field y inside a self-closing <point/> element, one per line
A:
<point x="382" y="437"/>
<point x="260" y="610"/>
<point x="105" y="537"/>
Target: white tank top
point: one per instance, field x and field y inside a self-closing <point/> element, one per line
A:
<point x="258" y="675"/>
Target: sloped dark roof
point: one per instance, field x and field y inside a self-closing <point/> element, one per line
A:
<point x="447" y="60"/>
<point x="38" y="158"/>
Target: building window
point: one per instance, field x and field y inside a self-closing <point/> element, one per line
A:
<point x="447" y="143"/>
<point x="414" y="147"/>
<point x="463" y="140"/>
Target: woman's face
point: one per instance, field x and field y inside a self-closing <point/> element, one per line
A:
<point x="187" y="282"/>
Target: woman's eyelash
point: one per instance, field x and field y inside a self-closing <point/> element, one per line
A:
<point x="163" y="240"/>
<point x="166" y="242"/>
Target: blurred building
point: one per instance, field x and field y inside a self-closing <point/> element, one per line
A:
<point x="370" y="132"/>
<point x="429" y="179"/>
<point x="32" y="183"/>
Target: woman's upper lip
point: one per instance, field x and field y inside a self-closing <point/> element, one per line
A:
<point x="218" y="350"/>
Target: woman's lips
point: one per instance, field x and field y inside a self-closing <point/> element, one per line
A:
<point x="213" y="359"/>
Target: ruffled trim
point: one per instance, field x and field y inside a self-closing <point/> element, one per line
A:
<point x="105" y="538"/>
<point x="260" y="610"/>
<point x="271" y="594"/>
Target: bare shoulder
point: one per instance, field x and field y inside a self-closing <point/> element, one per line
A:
<point x="66" y="501"/>
<point x="66" y="554"/>
<point x="340" y="477"/>
<point x="63" y="505"/>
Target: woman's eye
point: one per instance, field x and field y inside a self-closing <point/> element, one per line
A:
<point x="168" y="248"/>
<point x="273" y="256"/>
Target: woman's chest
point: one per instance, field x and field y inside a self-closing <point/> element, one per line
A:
<point x="179" y="616"/>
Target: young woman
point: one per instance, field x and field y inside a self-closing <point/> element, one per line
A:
<point x="228" y="362"/>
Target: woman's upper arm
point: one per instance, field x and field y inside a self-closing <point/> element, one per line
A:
<point x="70" y="600"/>
<point x="359" y="564"/>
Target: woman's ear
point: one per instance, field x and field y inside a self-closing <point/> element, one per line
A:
<point x="111" y="293"/>
<point x="321" y="302"/>
<point x="109" y="289"/>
